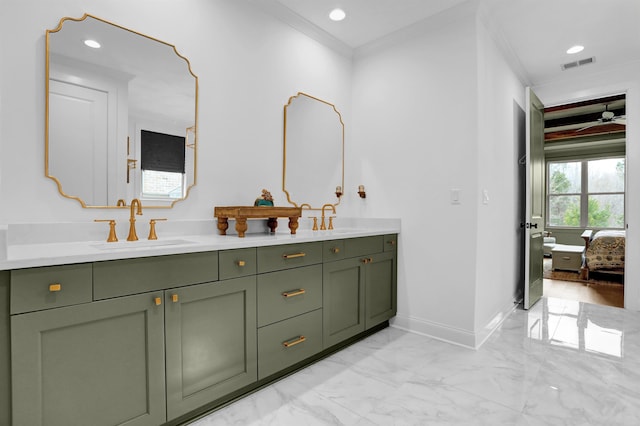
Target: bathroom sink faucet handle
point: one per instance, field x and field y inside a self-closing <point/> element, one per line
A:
<point x="152" y="229"/>
<point x="112" y="229"/>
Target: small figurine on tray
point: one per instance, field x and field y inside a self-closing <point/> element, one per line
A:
<point x="265" y="199"/>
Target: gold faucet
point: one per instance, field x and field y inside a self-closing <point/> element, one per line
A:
<point x="323" y="227"/>
<point x="121" y="203"/>
<point x="132" y="220"/>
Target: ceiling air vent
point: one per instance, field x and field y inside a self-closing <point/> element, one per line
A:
<point x="579" y="63"/>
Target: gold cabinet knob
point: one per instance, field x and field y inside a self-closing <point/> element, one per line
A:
<point x="391" y="242"/>
<point x="55" y="287"/>
<point x="157" y="301"/>
<point x="174" y="298"/>
<point x="241" y="263"/>
<point x="335" y="250"/>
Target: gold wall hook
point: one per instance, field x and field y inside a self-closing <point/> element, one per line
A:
<point x="361" y="191"/>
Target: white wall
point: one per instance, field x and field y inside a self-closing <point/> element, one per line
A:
<point x="498" y="239"/>
<point x="577" y="86"/>
<point x="248" y="65"/>
<point x="414" y="139"/>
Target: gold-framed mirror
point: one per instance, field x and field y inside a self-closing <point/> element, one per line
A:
<point x="313" y="163"/>
<point x="121" y="117"/>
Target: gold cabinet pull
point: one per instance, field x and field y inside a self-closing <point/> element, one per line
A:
<point x="294" y="342"/>
<point x="367" y="260"/>
<point x="157" y="301"/>
<point x="174" y="298"/>
<point x="335" y="250"/>
<point x="391" y="242"/>
<point x="55" y="287"/>
<point x="294" y="293"/>
<point x="241" y="263"/>
<point x="294" y="255"/>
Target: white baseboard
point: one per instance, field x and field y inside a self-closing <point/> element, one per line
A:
<point x="456" y="336"/>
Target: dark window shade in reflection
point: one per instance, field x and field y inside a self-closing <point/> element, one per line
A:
<point x="162" y="152"/>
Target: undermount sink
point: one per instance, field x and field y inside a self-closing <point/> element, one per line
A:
<point x="132" y="245"/>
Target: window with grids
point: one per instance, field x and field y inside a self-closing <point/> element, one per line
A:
<point x="163" y="165"/>
<point x="586" y="193"/>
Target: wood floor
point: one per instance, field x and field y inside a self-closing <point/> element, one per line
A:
<point x="593" y="291"/>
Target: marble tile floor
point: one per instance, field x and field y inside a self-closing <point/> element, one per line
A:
<point x="561" y="363"/>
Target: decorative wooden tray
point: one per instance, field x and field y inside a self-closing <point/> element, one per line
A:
<point x="242" y="213"/>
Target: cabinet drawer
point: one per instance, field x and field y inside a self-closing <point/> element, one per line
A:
<point x="391" y="242"/>
<point x="332" y="250"/>
<point x="355" y="247"/>
<point x="275" y="258"/>
<point x="285" y="343"/>
<point x="130" y="276"/>
<point x="285" y="294"/>
<point x="237" y="263"/>
<point x="48" y="287"/>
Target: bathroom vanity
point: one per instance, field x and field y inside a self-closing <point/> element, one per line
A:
<point x="161" y="334"/>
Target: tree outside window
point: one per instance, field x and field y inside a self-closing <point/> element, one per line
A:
<point x="587" y="193"/>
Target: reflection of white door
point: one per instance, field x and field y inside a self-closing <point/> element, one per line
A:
<point x="533" y="279"/>
<point x="78" y="129"/>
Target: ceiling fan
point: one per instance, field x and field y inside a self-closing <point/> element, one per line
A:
<point x="608" y="117"/>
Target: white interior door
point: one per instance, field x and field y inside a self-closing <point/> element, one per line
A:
<point x="534" y="222"/>
<point x="78" y="147"/>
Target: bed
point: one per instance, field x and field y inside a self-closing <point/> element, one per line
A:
<point x="604" y="252"/>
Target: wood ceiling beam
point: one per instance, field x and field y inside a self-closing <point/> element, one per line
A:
<point x="611" y="129"/>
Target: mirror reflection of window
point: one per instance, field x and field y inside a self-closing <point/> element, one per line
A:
<point x="162" y="164"/>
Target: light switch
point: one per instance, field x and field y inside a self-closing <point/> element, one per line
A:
<point x="455" y="196"/>
<point x="485" y="196"/>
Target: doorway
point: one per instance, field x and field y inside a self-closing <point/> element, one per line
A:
<point x="584" y="189"/>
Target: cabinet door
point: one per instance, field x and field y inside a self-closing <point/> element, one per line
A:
<point x="210" y="342"/>
<point x="99" y="363"/>
<point x="381" y="288"/>
<point x="343" y="300"/>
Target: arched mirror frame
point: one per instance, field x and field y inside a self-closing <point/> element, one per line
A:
<point x="191" y="133"/>
<point x="284" y="161"/>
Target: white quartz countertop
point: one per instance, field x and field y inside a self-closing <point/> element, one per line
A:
<point x="23" y="250"/>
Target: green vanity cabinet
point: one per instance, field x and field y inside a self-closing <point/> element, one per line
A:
<point x="343" y="300"/>
<point x="380" y="288"/>
<point x="99" y="363"/>
<point x="210" y="342"/>
<point x="5" y="350"/>
<point x="115" y="278"/>
<point x="289" y="317"/>
<point x="161" y="339"/>
<point x="359" y="291"/>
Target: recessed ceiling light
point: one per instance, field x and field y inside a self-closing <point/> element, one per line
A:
<point x="92" y="43"/>
<point x="575" y="49"/>
<point x="337" y="15"/>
